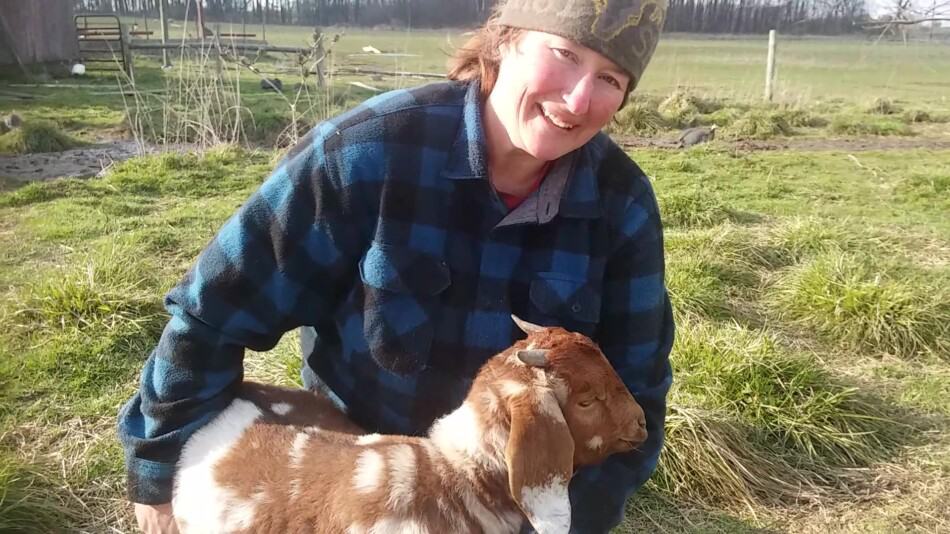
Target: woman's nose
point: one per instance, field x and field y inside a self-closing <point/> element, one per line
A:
<point x="578" y="98"/>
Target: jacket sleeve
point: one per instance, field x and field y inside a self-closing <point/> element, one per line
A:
<point x="281" y="261"/>
<point x="636" y="335"/>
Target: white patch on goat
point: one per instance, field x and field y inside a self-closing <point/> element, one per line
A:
<point x="312" y="430"/>
<point x="402" y="476"/>
<point x="547" y="404"/>
<point x="355" y="528"/>
<point x="595" y="443"/>
<point x="391" y="525"/>
<point x="296" y="460"/>
<point x="281" y="408"/>
<point x="199" y="501"/>
<point x="548" y="507"/>
<point x="369" y="470"/>
<point x="368" y="439"/>
<point x="458" y="435"/>
<point x="511" y="388"/>
<point x="297" y="449"/>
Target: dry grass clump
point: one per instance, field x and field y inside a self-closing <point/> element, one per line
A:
<point x="36" y="136"/>
<point x="751" y="423"/>
<point x="760" y="124"/>
<point x="800" y="118"/>
<point x="863" y="305"/>
<point x="638" y="117"/>
<point x="683" y="109"/>
<point x="883" y="106"/>
<point x="29" y="498"/>
<point x="846" y="124"/>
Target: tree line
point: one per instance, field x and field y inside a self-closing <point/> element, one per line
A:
<point x="828" y="17"/>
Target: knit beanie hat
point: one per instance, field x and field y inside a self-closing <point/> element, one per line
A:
<point x="625" y="31"/>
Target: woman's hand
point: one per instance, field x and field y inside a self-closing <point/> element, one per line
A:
<point x="156" y="518"/>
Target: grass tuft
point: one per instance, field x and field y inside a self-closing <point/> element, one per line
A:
<point x="883" y="106"/>
<point x="693" y="208"/>
<point x="29" y="500"/>
<point x="751" y="423"/>
<point x="845" y="124"/>
<point x="760" y="124"/>
<point x="103" y="291"/>
<point x="638" y="117"/>
<point x="36" y="136"/>
<point x="849" y="299"/>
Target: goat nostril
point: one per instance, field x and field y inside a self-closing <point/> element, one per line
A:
<point x="642" y="422"/>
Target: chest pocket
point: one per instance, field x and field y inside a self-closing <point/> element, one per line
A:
<point x="568" y="302"/>
<point x="401" y="290"/>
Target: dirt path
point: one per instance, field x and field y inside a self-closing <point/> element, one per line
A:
<point x="856" y="144"/>
<point x="79" y="162"/>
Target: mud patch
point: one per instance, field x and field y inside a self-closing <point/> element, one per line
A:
<point x="82" y="162"/>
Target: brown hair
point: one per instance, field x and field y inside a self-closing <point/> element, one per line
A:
<point x="479" y="58"/>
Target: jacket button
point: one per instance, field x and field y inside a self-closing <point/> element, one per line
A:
<point x="576" y="308"/>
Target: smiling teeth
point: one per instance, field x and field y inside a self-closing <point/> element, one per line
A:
<point x="555" y="120"/>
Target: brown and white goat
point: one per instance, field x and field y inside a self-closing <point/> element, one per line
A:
<point x="281" y="460"/>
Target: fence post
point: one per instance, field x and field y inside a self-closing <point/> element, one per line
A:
<point x="162" y="10"/>
<point x="770" y="68"/>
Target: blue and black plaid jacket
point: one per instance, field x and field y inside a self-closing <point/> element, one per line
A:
<point x="382" y="237"/>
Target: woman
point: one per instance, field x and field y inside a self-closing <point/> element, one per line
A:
<point x="403" y="234"/>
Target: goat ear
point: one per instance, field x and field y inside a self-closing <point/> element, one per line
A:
<point x="540" y="458"/>
<point x="533" y="357"/>
<point x="525" y="326"/>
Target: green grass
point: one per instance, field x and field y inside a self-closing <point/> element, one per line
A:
<point x="862" y="303"/>
<point x="770" y="411"/>
<point x="36" y="136"/>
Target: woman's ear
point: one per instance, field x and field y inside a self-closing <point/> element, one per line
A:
<point x="540" y="458"/>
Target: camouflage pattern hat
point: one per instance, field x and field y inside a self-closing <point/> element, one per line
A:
<point x="625" y="31"/>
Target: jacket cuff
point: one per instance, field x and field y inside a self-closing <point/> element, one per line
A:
<point x="149" y="482"/>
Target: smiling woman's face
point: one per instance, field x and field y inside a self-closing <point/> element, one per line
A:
<point x="553" y="95"/>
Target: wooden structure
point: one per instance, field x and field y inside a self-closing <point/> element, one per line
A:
<point x="37" y="32"/>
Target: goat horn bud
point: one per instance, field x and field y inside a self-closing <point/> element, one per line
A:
<point x="534" y="357"/>
<point x="525" y="326"/>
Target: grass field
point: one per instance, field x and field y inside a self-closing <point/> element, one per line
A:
<point x="811" y="287"/>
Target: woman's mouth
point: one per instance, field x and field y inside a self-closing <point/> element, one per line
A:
<point x="554" y="120"/>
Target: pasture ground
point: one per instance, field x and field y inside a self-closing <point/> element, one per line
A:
<point x="811" y="283"/>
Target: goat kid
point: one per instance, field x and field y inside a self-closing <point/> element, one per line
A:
<point x="281" y="460"/>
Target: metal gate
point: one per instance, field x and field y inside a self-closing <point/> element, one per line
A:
<point x="102" y="43"/>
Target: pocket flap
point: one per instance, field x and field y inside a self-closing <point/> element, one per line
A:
<point x="559" y="296"/>
<point x="403" y="270"/>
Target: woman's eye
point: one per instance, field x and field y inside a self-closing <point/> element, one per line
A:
<point x="611" y="80"/>
<point x="564" y="53"/>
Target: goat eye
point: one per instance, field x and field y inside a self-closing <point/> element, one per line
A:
<point x="585" y="403"/>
